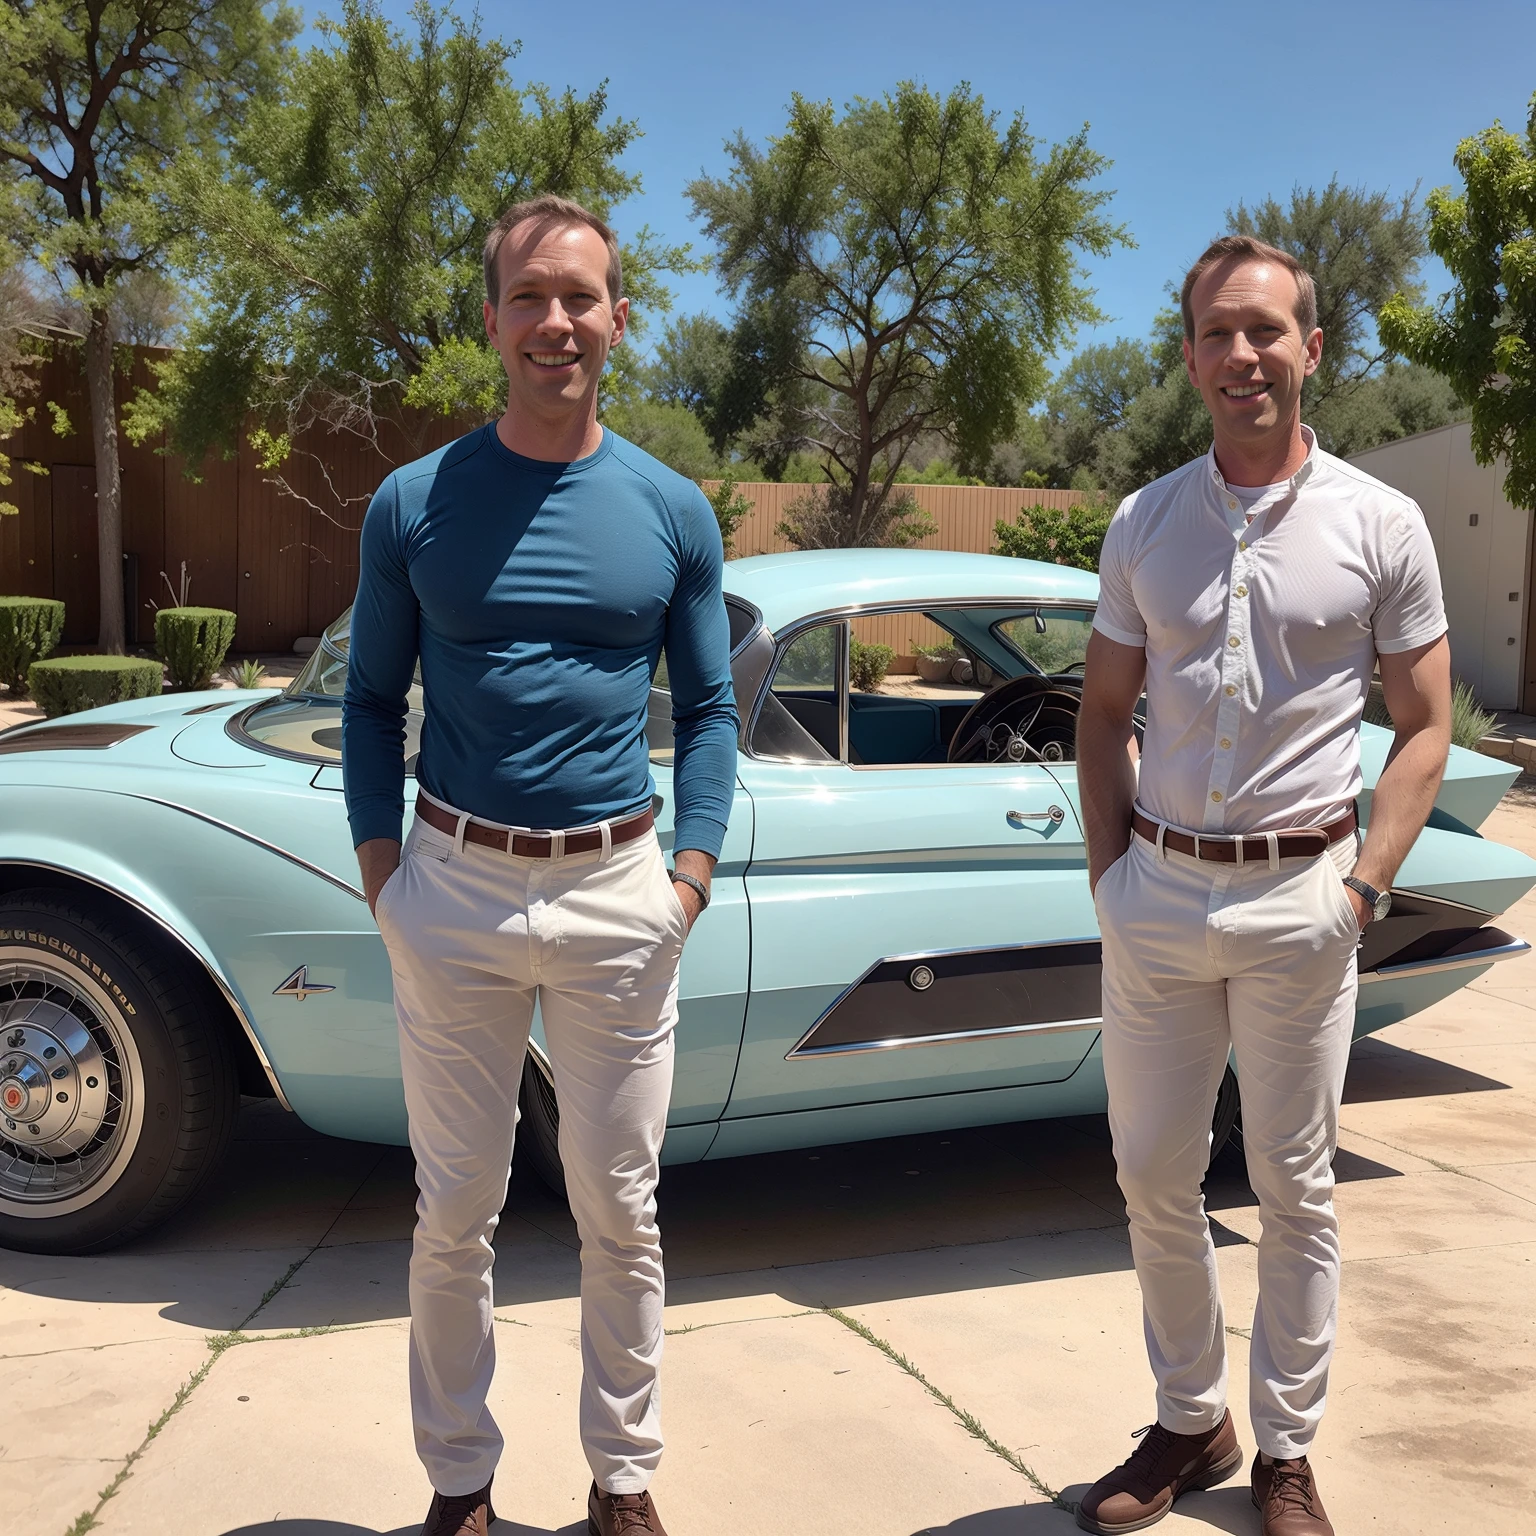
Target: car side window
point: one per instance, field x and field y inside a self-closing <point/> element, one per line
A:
<point x="798" y="719"/>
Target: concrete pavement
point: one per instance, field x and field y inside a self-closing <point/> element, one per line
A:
<point x="903" y="1338"/>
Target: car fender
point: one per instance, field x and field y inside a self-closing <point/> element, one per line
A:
<point x="253" y="914"/>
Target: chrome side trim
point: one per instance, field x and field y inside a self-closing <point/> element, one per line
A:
<point x="1432" y="966"/>
<point x="541" y="1060"/>
<point x="898" y="1044"/>
<point x="1481" y="913"/>
<point x="214" y="976"/>
<point x="844" y="687"/>
<point x="920" y="605"/>
<point x="800" y="1050"/>
<point x="250" y="837"/>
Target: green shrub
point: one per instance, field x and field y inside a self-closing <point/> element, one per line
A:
<point x="867" y="665"/>
<point x="248" y="673"/>
<point x="1071" y="537"/>
<point x="1470" y="722"/>
<point x="731" y="510"/>
<point x="945" y="650"/>
<point x="29" y="628"/>
<point x="193" y="643"/>
<point x="67" y="684"/>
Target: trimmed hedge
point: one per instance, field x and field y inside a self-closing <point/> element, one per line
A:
<point x="193" y="643"/>
<point x="29" y="628"/>
<point x="67" y="684"/>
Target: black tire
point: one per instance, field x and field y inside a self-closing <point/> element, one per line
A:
<point x="538" y="1129"/>
<point x="96" y="1010"/>
<point x="1224" y="1121"/>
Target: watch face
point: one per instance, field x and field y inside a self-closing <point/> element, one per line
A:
<point x="1383" y="905"/>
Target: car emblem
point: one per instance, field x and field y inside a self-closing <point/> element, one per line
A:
<point x="298" y="985"/>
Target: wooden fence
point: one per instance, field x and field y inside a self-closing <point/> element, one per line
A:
<point x="287" y="564"/>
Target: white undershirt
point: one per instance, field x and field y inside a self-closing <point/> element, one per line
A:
<point x="1252" y="495"/>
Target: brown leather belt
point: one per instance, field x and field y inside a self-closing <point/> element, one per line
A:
<point x="1218" y="849"/>
<point x="531" y="845"/>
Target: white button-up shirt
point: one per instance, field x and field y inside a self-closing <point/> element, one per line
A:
<point x="1261" y="637"/>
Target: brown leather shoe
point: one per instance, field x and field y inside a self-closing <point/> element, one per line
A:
<point x="622" y="1514"/>
<point x="1141" y="1491"/>
<point x="460" y="1514"/>
<point x="1285" y="1494"/>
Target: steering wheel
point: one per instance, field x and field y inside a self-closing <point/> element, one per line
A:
<point x="1030" y="719"/>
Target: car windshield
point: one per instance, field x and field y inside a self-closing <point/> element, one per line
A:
<point x="1053" y="640"/>
<point x="304" y="721"/>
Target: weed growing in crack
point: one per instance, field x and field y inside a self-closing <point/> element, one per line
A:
<point x="968" y="1421"/>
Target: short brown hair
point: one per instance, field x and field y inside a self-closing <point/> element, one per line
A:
<point x="1247" y="248"/>
<point x="550" y="210"/>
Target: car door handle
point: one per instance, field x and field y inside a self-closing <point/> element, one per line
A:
<point x="1055" y="813"/>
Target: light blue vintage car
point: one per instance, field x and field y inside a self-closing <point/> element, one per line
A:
<point x="901" y="937"/>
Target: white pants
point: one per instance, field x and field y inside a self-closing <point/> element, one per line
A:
<point x="473" y="936"/>
<point x="1201" y="958"/>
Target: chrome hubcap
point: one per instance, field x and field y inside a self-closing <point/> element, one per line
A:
<point x="69" y="1094"/>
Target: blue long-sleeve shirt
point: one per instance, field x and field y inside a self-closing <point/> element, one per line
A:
<point x="538" y="597"/>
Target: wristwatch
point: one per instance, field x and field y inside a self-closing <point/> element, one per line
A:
<point x="1380" y="902"/>
<point x="697" y="885"/>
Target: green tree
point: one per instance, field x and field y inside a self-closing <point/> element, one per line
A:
<point x="1484" y="340"/>
<point x="1165" y="425"/>
<point x="27" y="323"/>
<point x="1088" y="400"/>
<point x="340" y="263"/>
<point x="1360" y="247"/>
<point x="667" y="431"/>
<point x="898" y="271"/>
<point x="97" y="98"/>
<point x="1403" y="398"/>
<point x="692" y="361"/>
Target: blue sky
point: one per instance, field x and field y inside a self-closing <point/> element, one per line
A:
<point x="1198" y="106"/>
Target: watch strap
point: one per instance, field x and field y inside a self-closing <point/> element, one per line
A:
<point x="1380" y="902"/>
<point x="695" y="884"/>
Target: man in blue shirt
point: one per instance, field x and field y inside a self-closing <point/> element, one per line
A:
<point x="536" y="569"/>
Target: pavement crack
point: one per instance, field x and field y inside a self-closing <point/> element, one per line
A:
<point x="88" y="1518"/>
<point x="218" y="1344"/>
<point x="92" y="1349"/>
<point x="967" y="1420"/>
<point x="1438" y="1165"/>
<point x="737" y="1322"/>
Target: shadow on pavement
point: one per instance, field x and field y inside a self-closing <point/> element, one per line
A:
<point x="1228" y="1508"/>
<point x="1027" y="1518"/>
<point x="941" y="1212"/>
<point x="1379" y="1071"/>
<point x="302" y="1527"/>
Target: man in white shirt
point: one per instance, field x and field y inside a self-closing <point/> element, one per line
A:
<point x="1251" y="593"/>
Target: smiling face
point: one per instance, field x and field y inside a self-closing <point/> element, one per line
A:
<point x="1249" y="358"/>
<point x="553" y="327"/>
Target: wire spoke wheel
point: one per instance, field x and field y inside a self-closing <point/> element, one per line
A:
<point x="118" y="1086"/>
<point x="71" y="1086"/>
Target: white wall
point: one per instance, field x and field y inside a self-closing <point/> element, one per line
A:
<point x="1483" y="567"/>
